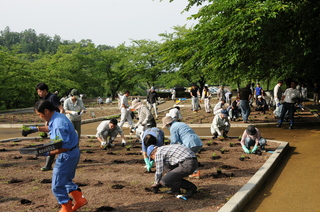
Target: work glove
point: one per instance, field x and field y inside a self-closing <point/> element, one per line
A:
<point x="103" y="143"/>
<point x="81" y="113"/>
<point x="74" y="113"/>
<point x="124" y="142"/>
<point x="254" y="148"/>
<point x="148" y="164"/>
<point x="245" y="149"/>
<point x="31" y="130"/>
<point x="143" y="123"/>
<point x="227" y="124"/>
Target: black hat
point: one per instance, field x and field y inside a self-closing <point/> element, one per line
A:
<point x="251" y="130"/>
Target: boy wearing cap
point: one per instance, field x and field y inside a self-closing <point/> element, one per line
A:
<point x="261" y="104"/>
<point x="220" y="123"/>
<point x="74" y="109"/>
<point x="181" y="162"/>
<point x="251" y="137"/>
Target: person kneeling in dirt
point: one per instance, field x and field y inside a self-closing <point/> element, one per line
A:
<point x="251" y="137"/>
<point x="261" y="105"/>
<point x="152" y="136"/>
<point x="109" y="129"/>
<point x="220" y="123"/>
<point x="180" y="161"/>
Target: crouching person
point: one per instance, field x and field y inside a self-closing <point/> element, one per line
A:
<point x="220" y="123"/>
<point x="180" y="161"/>
<point x="60" y="127"/>
<point x="251" y="137"/>
<point x="107" y="131"/>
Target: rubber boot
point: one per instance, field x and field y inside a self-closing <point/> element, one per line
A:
<point x="49" y="162"/>
<point x="189" y="187"/>
<point x="66" y="207"/>
<point x="78" y="198"/>
<point x="225" y="134"/>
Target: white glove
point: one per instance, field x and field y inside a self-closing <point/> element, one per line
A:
<point x="227" y="124"/>
<point x="124" y="141"/>
<point x="103" y="143"/>
<point x="128" y="109"/>
<point x="74" y="113"/>
<point x="81" y="113"/>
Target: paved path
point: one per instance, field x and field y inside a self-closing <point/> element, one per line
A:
<point x="295" y="184"/>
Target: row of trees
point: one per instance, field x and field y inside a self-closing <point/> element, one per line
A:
<point x="235" y="42"/>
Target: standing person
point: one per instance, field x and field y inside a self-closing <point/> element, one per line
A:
<point x="195" y="93"/>
<point x="228" y="96"/>
<point x="74" y="109"/>
<point x="175" y="113"/>
<point x="43" y="91"/>
<point x="245" y="96"/>
<point x="234" y="109"/>
<point x="251" y="137"/>
<point x="173" y="94"/>
<point x="152" y="101"/>
<point x="258" y="91"/>
<point x="290" y="97"/>
<point x="125" y="110"/>
<point x="152" y="136"/>
<point x="206" y="96"/>
<point x="181" y="133"/>
<point x="220" y="123"/>
<point x="277" y="93"/>
<point x="180" y="161"/>
<point x="107" y="131"/>
<point x="304" y="93"/>
<point x="221" y="93"/>
<point x="315" y="94"/>
<point x="68" y="156"/>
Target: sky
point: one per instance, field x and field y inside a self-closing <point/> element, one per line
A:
<point x="105" y="22"/>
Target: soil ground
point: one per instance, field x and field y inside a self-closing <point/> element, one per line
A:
<point x="101" y="172"/>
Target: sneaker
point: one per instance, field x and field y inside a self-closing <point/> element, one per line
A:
<point x="195" y="175"/>
<point x="45" y="169"/>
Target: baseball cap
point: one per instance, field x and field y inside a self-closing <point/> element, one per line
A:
<point x="225" y="112"/>
<point x="259" y="96"/>
<point x="75" y="93"/>
<point x="150" y="150"/>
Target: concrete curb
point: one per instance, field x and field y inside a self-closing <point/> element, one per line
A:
<point x="247" y="192"/>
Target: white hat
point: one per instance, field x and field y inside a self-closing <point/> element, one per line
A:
<point x="259" y="96"/>
<point x="136" y="104"/>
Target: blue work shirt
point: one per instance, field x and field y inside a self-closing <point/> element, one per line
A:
<point x="181" y="133"/>
<point x="155" y="132"/>
<point x="60" y="127"/>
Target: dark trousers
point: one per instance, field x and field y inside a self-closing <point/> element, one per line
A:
<point x="290" y="108"/>
<point x="174" y="178"/>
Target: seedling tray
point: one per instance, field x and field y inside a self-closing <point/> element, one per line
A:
<point x="40" y="149"/>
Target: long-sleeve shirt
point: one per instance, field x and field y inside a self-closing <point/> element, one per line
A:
<point x="124" y="101"/>
<point x="171" y="155"/>
<point x="175" y="114"/>
<point x="104" y="126"/>
<point x="218" y="121"/>
<point x="254" y="137"/>
<point x="277" y="92"/>
<point x="181" y="133"/>
<point x="155" y="132"/>
<point x="145" y="116"/>
<point x="77" y="106"/>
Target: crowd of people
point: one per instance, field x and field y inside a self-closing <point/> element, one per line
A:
<point x="173" y="162"/>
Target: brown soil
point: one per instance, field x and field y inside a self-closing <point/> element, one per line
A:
<point x="117" y="178"/>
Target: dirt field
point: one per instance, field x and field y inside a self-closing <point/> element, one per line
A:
<point x="116" y="178"/>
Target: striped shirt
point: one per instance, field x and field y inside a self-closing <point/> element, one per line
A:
<point x="171" y="155"/>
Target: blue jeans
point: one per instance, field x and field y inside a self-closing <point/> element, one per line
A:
<point x="249" y="142"/>
<point x="245" y="109"/>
